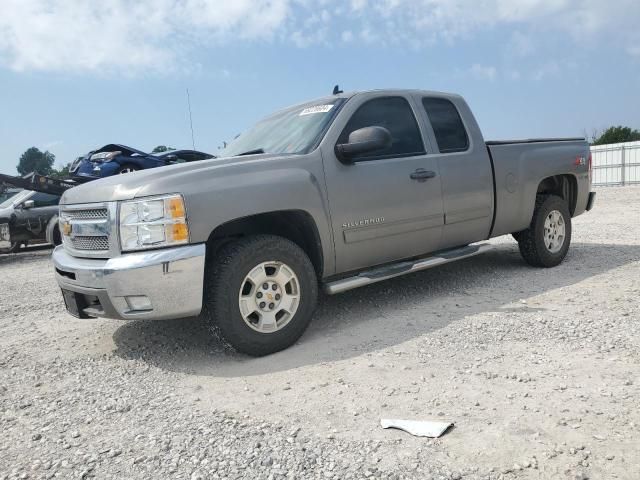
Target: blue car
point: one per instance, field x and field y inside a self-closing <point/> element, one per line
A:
<point x="114" y="159"/>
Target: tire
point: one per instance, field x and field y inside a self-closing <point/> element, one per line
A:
<point x="261" y="328"/>
<point x="542" y="248"/>
<point x="127" y="169"/>
<point x="57" y="238"/>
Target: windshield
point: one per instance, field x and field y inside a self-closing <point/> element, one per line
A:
<point x="293" y="130"/>
<point x="16" y="198"/>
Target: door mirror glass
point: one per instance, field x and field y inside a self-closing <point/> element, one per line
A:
<point x="363" y="141"/>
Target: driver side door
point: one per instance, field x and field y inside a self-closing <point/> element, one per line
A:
<point x="32" y="222"/>
<point x="380" y="211"/>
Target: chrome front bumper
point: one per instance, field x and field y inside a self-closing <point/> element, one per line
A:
<point x="171" y="279"/>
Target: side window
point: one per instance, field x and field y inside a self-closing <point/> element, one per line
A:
<point x="45" y="200"/>
<point x="394" y="114"/>
<point x="447" y="125"/>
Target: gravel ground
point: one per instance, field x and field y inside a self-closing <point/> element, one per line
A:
<point x="538" y="369"/>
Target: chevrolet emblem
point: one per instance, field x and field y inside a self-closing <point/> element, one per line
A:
<point x="65" y="227"/>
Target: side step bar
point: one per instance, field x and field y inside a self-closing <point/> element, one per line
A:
<point x="402" y="268"/>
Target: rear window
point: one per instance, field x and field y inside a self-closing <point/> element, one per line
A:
<point x="447" y="125"/>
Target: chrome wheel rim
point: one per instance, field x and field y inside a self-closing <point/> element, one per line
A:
<point x="127" y="170"/>
<point x="269" y="297"/>
<point x="554" y="231"/>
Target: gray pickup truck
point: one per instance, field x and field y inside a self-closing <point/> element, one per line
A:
<point x="339" y="192"/>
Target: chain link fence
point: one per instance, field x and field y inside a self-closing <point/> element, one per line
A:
<point x="616" y="164"/>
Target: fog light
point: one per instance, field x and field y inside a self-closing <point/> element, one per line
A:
<point x="139" y="303"/>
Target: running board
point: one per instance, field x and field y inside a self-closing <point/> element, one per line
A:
<point x="402" y="268"/>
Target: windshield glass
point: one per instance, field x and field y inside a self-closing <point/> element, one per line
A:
<point x="293" y="130"/>
<point x="15" y="199"/>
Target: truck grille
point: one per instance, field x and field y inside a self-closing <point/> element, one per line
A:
<point x="97" y="213"/>
<point x="86" y="229"/>
<point x="90" y="243"/>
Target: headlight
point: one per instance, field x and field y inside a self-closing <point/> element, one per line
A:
<point x="152" y="223"/>
<point x="105" y="156"/>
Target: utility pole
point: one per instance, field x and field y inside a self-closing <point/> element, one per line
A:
<point x="193" y="142"/>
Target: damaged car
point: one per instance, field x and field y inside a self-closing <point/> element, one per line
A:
<point x="28" y="217"/>
<point x="116" y="159"/>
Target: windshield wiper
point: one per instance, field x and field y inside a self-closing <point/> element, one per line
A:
<point x="252" y="152"/>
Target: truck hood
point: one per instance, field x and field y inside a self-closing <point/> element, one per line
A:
<point x="155" y="180"/>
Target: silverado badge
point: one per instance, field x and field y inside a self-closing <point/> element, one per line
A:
<point x="363" y="223"/>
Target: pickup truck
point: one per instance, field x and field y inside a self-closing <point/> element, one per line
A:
<point x="336" y="193"/>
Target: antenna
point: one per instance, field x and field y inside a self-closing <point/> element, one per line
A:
<point x="336" y="90"/>
<point x="193" y="142"/>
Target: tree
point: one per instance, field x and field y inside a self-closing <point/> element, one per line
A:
<point x="617" y="135"/>
<point x="61" y="173"/>
<point x="33" y="160"/>
<point x="162" y="148"/>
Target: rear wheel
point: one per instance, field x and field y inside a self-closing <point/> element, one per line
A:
<point x="546" y="242"/>
<point x="260" y="295"/>
<point x="57" y="238"/>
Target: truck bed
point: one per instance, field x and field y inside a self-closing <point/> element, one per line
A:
<point x="518" y="168"/>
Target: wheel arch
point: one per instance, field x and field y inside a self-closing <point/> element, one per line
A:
<point x="564" y="186"/>
<point x="52" y="234"/>
<point x="295" y="225"/>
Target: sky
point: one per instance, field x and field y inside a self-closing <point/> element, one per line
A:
<point x="76" y="75"/>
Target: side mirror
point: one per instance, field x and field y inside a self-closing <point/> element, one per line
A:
<point x="171" y="158"/>
<point x="363" y="140"/>
<point x="28" y="204"/>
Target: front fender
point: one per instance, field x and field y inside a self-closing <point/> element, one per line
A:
<point x="221" y="190"/>
<point x="228" y="198"/>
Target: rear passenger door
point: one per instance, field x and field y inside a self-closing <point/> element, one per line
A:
<point x="379" y="213"/>
<point x="465" y="170"/>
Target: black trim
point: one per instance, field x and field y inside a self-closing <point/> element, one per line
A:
<point x="495" y="194"/>
<point x="591" y="201"/>
<point x="534" y="140"/>
<point x="390" y="157"/>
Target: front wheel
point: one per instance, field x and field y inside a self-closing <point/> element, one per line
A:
<point x="260" y="294"/>
<point x="546" y="242"/>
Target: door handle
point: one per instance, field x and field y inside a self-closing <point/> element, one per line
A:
<point x="422" y="175"/>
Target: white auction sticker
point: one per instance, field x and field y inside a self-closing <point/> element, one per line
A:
<point x="316" y="109"/>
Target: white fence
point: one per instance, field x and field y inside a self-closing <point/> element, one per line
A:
<point x="616" y="164"/>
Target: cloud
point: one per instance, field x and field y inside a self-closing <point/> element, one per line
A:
<point x="482" y="72"/>
<point x="52" y="144"/>
<point x="62" y="35"/>
<point x="521" y="45"/>
<point x="347" y="36"/>
<point x="137" y="35"/>
<point x="549" y="69"/>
